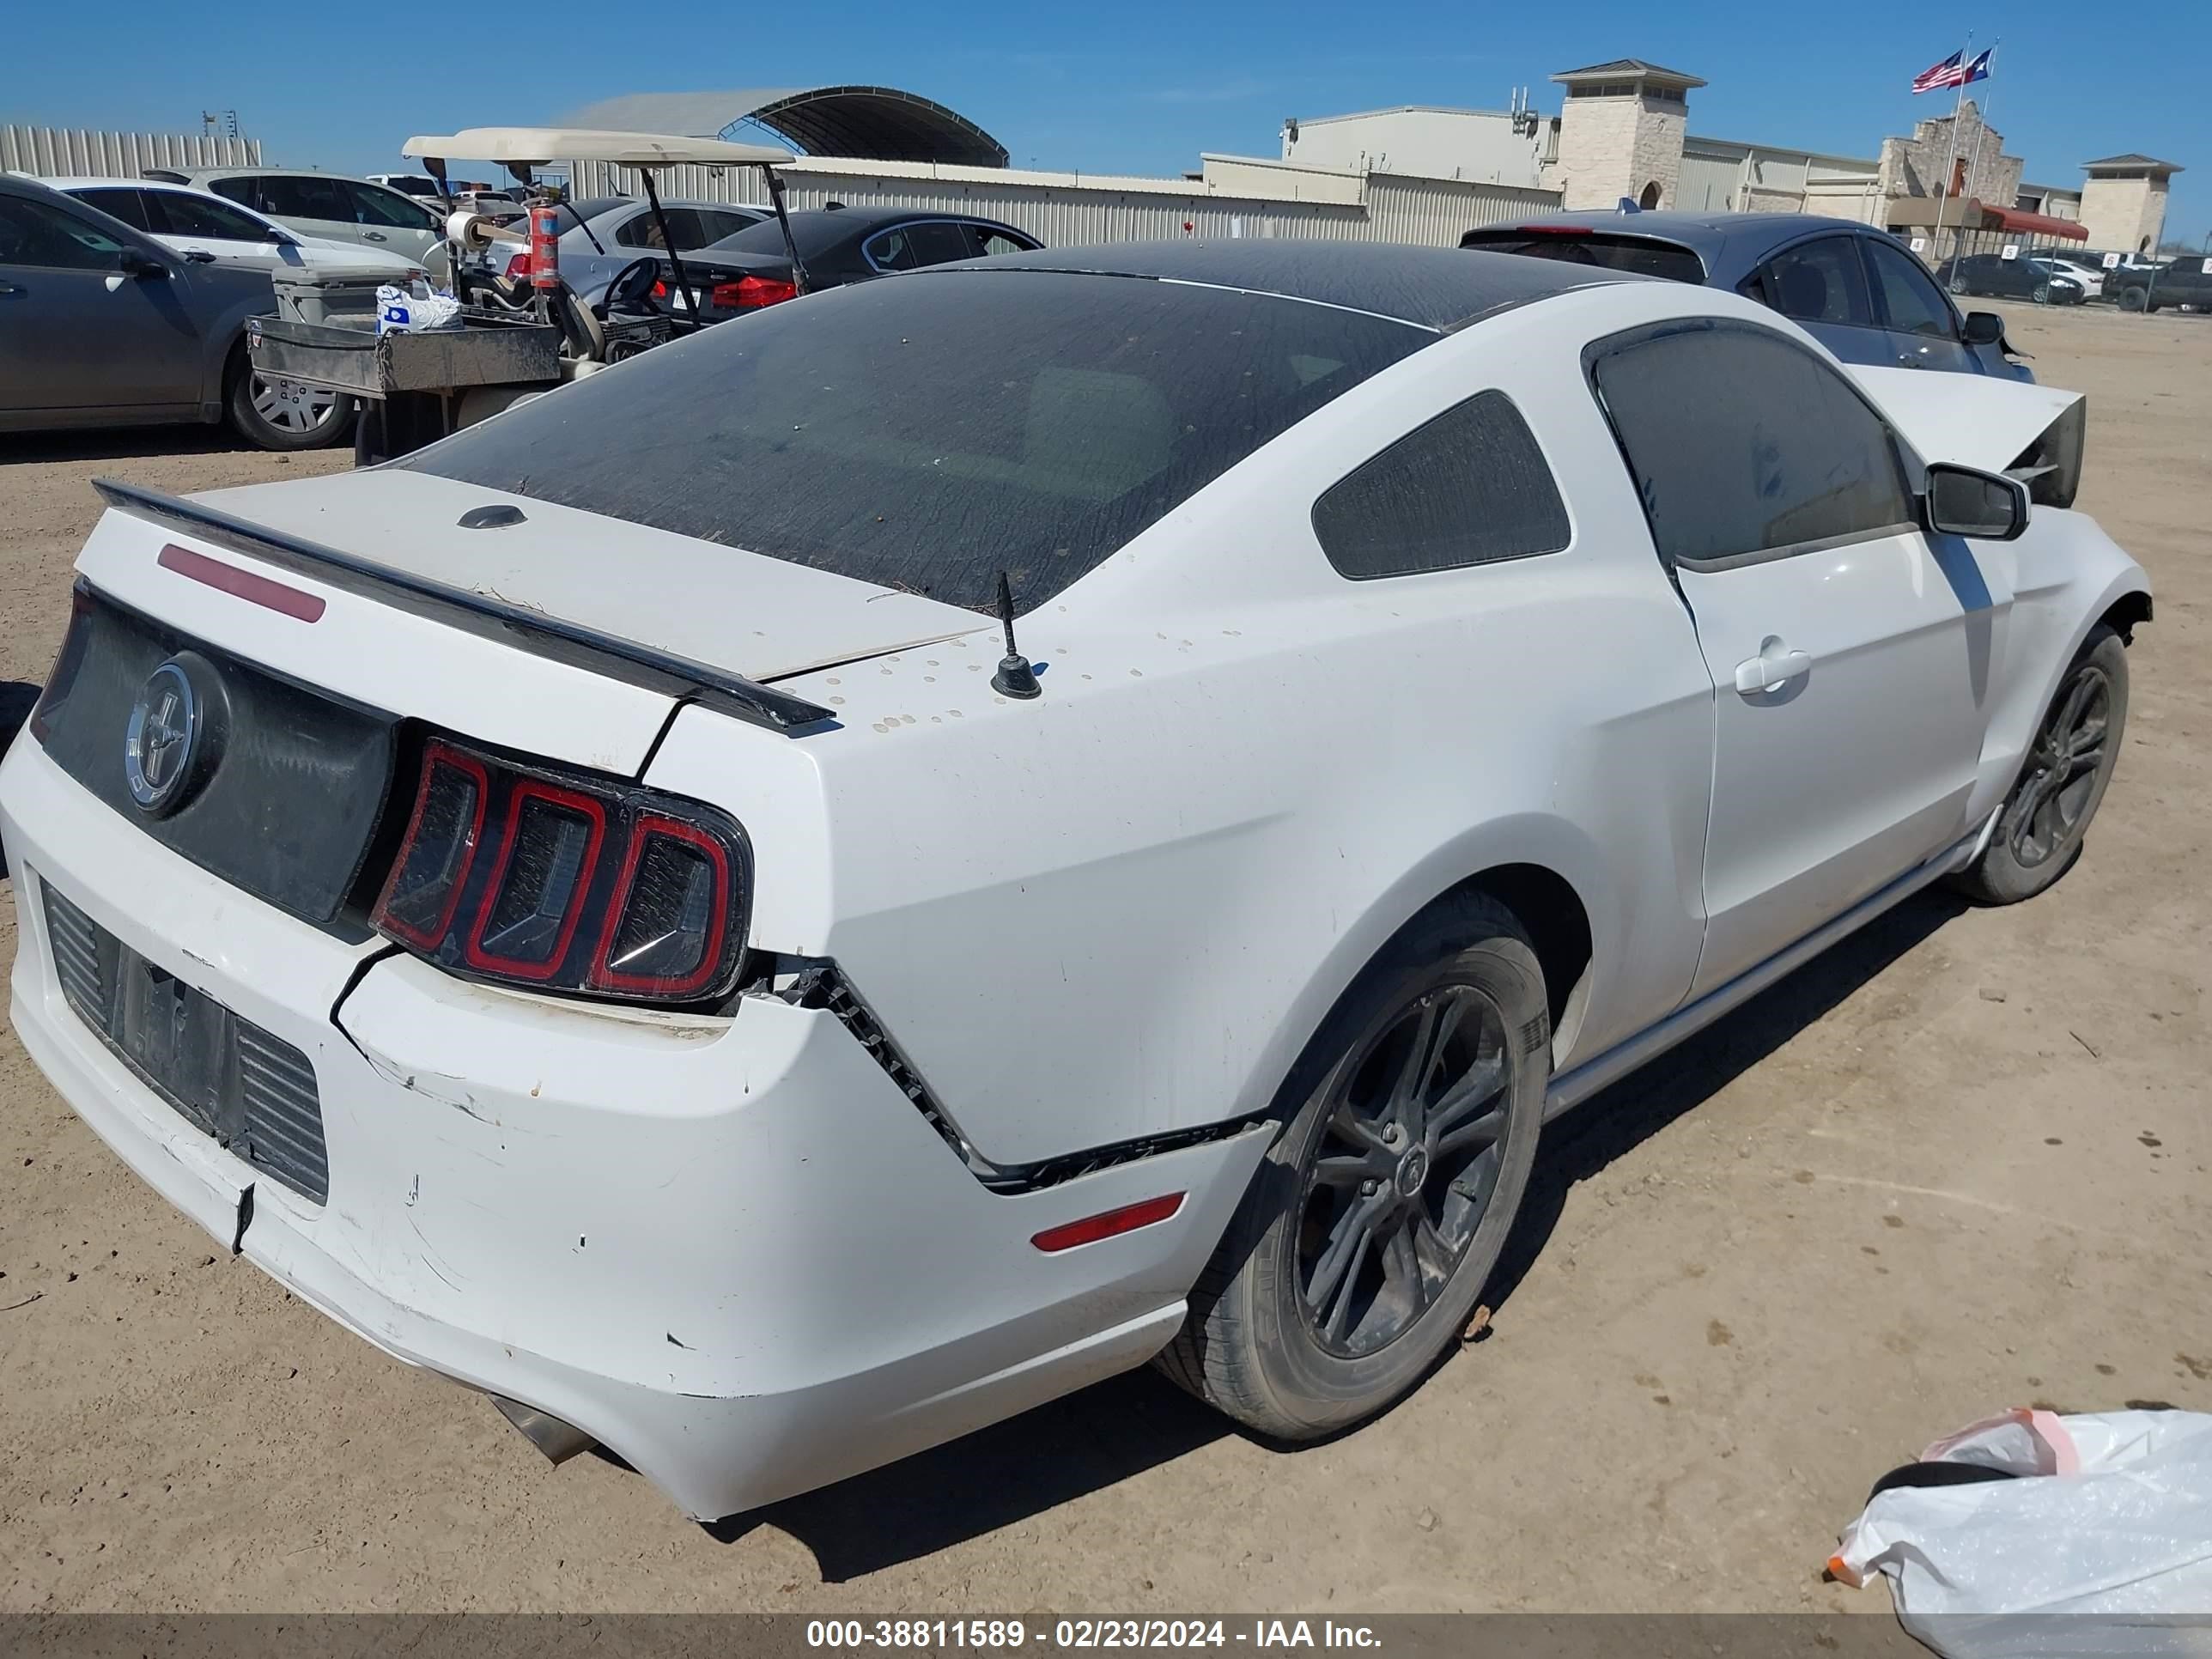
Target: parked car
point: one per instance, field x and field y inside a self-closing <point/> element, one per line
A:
<point x="2074" y="266"/>
<point x="2016" y="278"/>
<point x="603" y="236"/>
<point x="1859" y="291"/>
<point x="420" y="185"/>
<point x="2185" y="281"/>
<point x="751" y="1016"/>
<point x="752" y="269"/>
<point x="106" y="326"/>
<point x="188" y="221"/>
<point x="331" y="206"/>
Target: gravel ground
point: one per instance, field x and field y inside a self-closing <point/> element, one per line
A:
<point x="1956" y="1164"/>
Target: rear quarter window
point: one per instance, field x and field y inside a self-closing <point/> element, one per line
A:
<point x="1469" y="487"/>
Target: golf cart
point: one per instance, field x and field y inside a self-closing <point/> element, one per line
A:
<point x="419" y="384"/>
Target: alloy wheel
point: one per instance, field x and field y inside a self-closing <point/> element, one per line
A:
<point x="1403" y="1170"/>
<point x="292" y="405"/>
<point x="2052" y="801"/>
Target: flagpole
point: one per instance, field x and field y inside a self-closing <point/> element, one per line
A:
<point x="1951" y="163"/>
<point x="1974" y="167"/>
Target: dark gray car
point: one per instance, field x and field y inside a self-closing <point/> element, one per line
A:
<point x="105" y="327"/>
<point x="1859" y="291"/>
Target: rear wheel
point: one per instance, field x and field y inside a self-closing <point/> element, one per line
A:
<point x="1357" y="1255"/>
<point x="2042" y="295"/>
<point x="273" y="413"/>
<point x="2040" y="829"/>
<point x="2133" y="298"/>
<point x="1957" y="284"/>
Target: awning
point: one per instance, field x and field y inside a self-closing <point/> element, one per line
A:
<point x="2034" y="224"/>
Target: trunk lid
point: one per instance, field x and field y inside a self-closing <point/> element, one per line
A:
<point x="762" y="617"/>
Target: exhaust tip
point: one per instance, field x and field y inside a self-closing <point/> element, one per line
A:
<point x="559" y="1441"/>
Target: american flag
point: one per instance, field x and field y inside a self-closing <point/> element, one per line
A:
<point x="1951" y="72"/>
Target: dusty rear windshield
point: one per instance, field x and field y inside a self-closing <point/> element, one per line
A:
<point x="924" y="432"/>
<point x="1645" y="256"/>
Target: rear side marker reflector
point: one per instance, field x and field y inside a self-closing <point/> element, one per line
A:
<point x="1110" y="1224"/>
<point x="243" y="584"/>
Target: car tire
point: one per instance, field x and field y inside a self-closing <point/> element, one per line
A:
<point x="2044" y="820"/>
<point x="2134" y="299"/>
<point x="283" y="414"/>
<point x="1385" y="1204"/>
<point x="1958" y="285"/>
<point x="2042" y="295"/>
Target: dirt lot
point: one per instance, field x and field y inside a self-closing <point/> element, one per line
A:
<point x="1954" y="1166"/>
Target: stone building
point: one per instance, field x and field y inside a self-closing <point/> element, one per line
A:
<point x="1979" y="168"/>
<point x="1621" y="128"/>
<point x="2124" y="203"/>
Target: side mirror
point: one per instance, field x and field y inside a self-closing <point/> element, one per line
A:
<point x="1963" y="500"/>
<point x="1985" y="328"/>
<point x="132" y="263"/>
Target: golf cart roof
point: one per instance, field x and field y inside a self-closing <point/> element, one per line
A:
<point x="537" y="145"/>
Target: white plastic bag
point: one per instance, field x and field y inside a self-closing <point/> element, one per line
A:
<point x="410" y="310"/>
<point x="2111" y="1517"/>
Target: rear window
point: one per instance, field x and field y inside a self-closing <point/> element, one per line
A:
<point x="1645" y="256"/>
<point x="927" y="432"/>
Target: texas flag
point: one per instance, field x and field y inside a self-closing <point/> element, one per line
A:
<point x="1953" y="71"/>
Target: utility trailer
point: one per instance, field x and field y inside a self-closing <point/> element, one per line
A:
<point x="416" y="386"/>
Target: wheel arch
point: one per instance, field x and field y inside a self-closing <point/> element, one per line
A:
<point x="1545" y="870"/>
<point x="2127" y="613"/>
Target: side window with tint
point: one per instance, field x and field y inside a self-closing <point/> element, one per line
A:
<point x="245" y="190"/>
<point x="293" y="197"/>
<point x="939" y="241"/>
<point x="39" y="233"/>
<point x="1743" y="443"/>
<point x="1470" y="487"/>
<point x="997" y="242"/>
<point x="124" y="204"/>
<point x="893" y="250"/>
<point x="1909" y="295"/>
<point x="712" y="227"/>
<point x="1819" y="282"/>
<point x="373" y="204"/>
<point x="195" y="216"/>
<point x="639" y="230"/>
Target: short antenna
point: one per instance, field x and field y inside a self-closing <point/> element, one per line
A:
<point x="1015" y="678"/>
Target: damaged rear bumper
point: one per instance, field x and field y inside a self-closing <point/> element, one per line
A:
<point x="728" y="1250"/>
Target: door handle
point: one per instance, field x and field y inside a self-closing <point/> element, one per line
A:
<point x="373" y="236"/>
<point x="9" y="288"/>
<point x="1773" y="666"/>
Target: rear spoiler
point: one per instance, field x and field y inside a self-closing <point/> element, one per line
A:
<point x="618" y="658"/>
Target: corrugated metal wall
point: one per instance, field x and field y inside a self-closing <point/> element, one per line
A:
<point x="62" y="152"/>
<point x="1061" y="211"/>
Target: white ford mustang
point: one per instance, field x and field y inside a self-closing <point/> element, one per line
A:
<point x="600" y="909"/>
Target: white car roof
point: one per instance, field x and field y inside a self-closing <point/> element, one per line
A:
<point x="537" y="144"/>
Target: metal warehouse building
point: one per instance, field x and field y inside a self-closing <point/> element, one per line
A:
<point x="917" y="152"/>
<point x="1411" y="174"/>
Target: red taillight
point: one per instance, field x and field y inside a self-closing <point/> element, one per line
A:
<point x="750" y="293"/>
<point x="1110" y="1224"/>
<point x="420" y="894"/>
<point x="664" y="931"/>
<point x="518" y="266"/>
<point x="531" y="900"/>
<point x="590" y="885"/>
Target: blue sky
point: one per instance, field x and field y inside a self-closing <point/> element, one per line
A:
<point x="1132" y="87"/>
